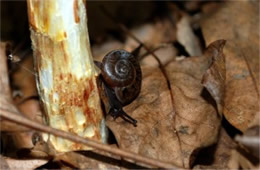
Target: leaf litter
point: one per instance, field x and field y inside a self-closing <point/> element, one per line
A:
<point x="186" y="128"/>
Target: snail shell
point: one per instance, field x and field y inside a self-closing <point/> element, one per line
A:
<point x="121" y="71"/>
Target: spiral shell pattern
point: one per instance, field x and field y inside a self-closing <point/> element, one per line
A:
<point x="119" y="68"/>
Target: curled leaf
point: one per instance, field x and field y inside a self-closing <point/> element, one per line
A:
<point x="214" y="78"/>
<point x="238" y="23"/>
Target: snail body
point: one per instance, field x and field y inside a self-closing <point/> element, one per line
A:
<point x="121" y="71"/>
<point x="122" y="78"/>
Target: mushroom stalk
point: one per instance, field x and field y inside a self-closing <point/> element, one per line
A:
<point x="66" y="74"/>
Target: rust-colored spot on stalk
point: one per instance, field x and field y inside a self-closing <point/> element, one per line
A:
<point x="31" y="19"/>
<point x="86" y="95"/>
<point x="64" y="52"/>
<point x="76" y="11"/>
<point x="88" y="90"/>
<point x="61" y="77"/>
<point x="78" y="101"/>
<point x="88" y="112"/>
<point x="65" y="34"/>
<point x="91" y="85"/>
<point x="85" y="4"/>
<point x="46" y="23"/>
<point x="62" y="111"/>
<point x="31" y="14"/>
<point x="77" y="146"/>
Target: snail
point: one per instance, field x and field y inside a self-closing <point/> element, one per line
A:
<point x="121" y="76"/>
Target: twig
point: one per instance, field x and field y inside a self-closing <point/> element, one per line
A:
<point x="154" y="50"/>
<point x="11" y="116"/>
<point x="252" y="141"/>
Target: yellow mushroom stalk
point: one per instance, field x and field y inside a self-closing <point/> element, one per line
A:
<point x="66" y="74"/>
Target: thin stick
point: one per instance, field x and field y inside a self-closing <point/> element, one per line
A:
<point x="154" y="50"/>
<point x="9" y="115"/>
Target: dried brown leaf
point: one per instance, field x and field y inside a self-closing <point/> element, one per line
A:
<point x="5" y="93"/>
<point x="3" y="163"/>
<point x="154" y="35"/>
<point x="167" y="132"/>
<point x="166" y="55"/>
<point x="239" y="160"/>
<point x="100" y="50"/>
<point x="214" y="78"/>
<point x="187" y="38"/>
<point x="238" y="23"/>
<point x="251" y="140"/>
<point x="31" y="109"/>
<point x="42" y="150"/>
<point x="246" y="154"/>
<point x="87" y="159"/>
<point x="217" y="156"/>
<point x="24" y="79"/>
<point x="224" y="149"/>
<point x="29" y="164"/>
